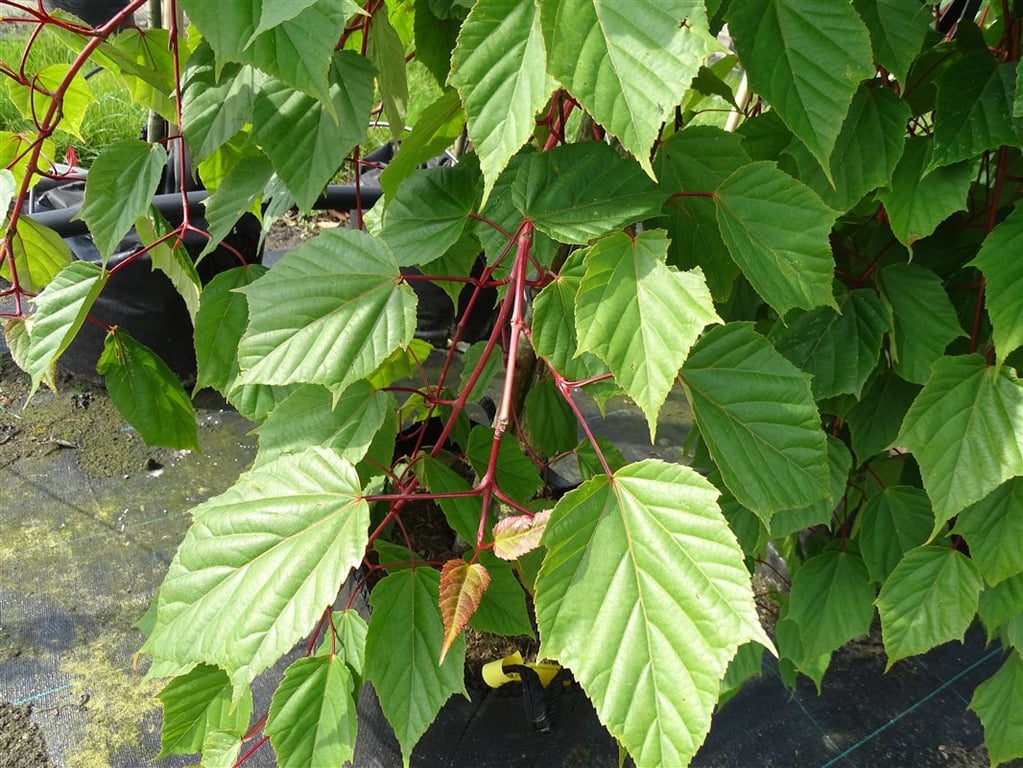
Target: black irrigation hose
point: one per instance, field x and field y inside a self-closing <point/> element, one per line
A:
<point x="338" y="196"/>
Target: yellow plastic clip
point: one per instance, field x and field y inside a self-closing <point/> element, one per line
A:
<point x="495" y="676"/>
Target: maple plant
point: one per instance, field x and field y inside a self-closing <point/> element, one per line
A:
<point x="805" y="223"/>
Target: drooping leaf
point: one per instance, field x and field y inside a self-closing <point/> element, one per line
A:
<point x="548" y="421"/>
<point x="312" y="714"/>
<point x="489" y="369"/>
<point x="756" y="412"/>
<point x="220" y="749"/>
<point x="890" y="524"/>
<point x="119" y="189"/>
<point x="436" y="129"/>
<point x="623" y="551"/>
<point x="777" y="230"/>
<point x="16" y="336"/>
<point x="143" y="59"/>
<point x="351" y="631"/>
<point x="639" y="316"/>
<point x="918" y="200"/>
<point x="195" y="705"/>
<point x="462" y="586"/>
<point x="171" y="258"/>
<point x="925" y="320"/>
<point x="219" y="324"/>
<point x="307" y="140"/>
<point x="747" y="664"/>
<point x="499" y="70"/>
<point x="386" y="52"/>
<point x="258" y="565"/>
<point x="436" y="30"/>
<point x="965" y="432"/>
<point x="807" y="60"/>
<point x="874" y="421"/>
<point x="993" y="527"/>
<point x="788" y="521"/>
<point x="330" y="312"/>
<point x="402" y="363"/>
<point x="794" y="660"/>
<point x="517" y="475"/>
<point x="627" y="63"/>
<point x="515" y="536"/>
<point x="839" y="349"/>
<point x="503" y="610"/>
<point x="832" y="601"/>
<point x="578" y="192"/>
<point x="929" y="598"/>
<point x="312" y="415"/>
<point x="998" y="702"/>
<point x="39" y="254"/>
<point x="897" y="29"/>
<point x="215" y="106"/>
<point x="240" y="191"/>
<point x="1003" y="277"/>
<point x="402" y="647"/>
<point x="461" y="512"/>
<point x="147" y="393"/>
<point x="60" y="311"/>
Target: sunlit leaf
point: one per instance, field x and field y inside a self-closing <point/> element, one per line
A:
<point x="195" y="705"/>
<point x="832" y="601"/>
<point x="34" y="101"/>
<point x="998" y="702"/>
<point x="436" y="129"/>
<point x="462" y="586"/>
<point x="215" y="105"/>
<point x="993" y="527"/>
<point x="170" y="257"/>
<point x="39" y="254"/>
<point x="890" y="524"/>
<point x="515" y="536"/>
<point x="386" y="52"/>
<point x="1003" y="287"/>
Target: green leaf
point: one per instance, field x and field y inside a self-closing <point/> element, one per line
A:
<point x="219" y="324"/>
<point x="548" y="422"/>
<point x="143" y="58"/>
<point x="276" y="12"/>
<point x="220" y="749"/>
<point x="402" y="648"/>
<point x="60" y="311"/>
<point x="170" y="257"/>
<point x="330" y="312"/>
<point x="998" y="702"/>
<point x="215" y="106"/>
<point x="897" y="30"/>
<point x="437" y="128"/>
<point x="499" y="70"/>
<point x="502" y="611"/>
<point x="312" y="715"/>
<point x="839" y="349"/>
<point x="196" y="704"/>
<point x="147" y="393"/>
<point x="806" y="60"/>
<point x="16" y="336"/>
<point x="517" y="475"/>
<point x="589" y="463"/>
<point x="39" y="255"/>
<point x="965" y="432"/>
<point x="890" y="524"/>
<point x="119" y="190"/>
<point x="929" y="599"/>
<point x="240" y="190"/>
<point x="639" y="316"/>
<point x="305" y="139"/>
<point x="462" y="586"/>
<point x="832" y="601"/>
<point x="1003" y="276"/>
<point x="925" y="321"/>
<point x="974" y="107"/>
<point x="402" y="363"/>
<point x="311" y="416"/>
<point x="756" y="413"/>
<point x="461" y="512"/>
<point x="34" y="101"/>
<point x="578" y="192"/>
<point x="429" y="212"/>
<point x="821" y="512"/>
<point x="8" y="188"/>
<point x="258" y="565"/>
<point x="627" y="63"/>
<point x="918" y="200"/>
<point x="777" y="231"/>
<point x="386" y="52"/>
<point x="793" y="659"/>
<point x="351" y="631"/>
<point x="470" y="359"/>
<point x="993" y="527"/>
<point x="621" y="550"/>
<point x="874" y="421"/>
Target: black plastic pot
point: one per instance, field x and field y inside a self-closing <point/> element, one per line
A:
<point x="92" y="12"/>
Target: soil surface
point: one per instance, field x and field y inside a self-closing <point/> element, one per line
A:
<point x="21" y="742"/>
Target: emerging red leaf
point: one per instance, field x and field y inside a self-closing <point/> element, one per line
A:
<point x="461" y="587"/>
<point x="518" y="535"/>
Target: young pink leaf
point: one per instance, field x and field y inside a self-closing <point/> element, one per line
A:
<point x="519" y="535"/>
<point x="461" y="587"/>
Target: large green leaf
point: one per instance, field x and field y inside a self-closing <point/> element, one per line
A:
<point x="311" y="415"/>
<point x="215" y="106"/>
<point x="890" y="524"/>
<point x="307" y="140"/>
<point x="840" y="349"/>
<point x="258" y="565"/>
<point x="147" y="393"/>
<point x="436" y="129"/>
<point x="195" y="705"/>
<point x="998" y="702"/>
<point x="60" y="311"/>
<point x="219" y="324"/>
<point x="119" y="189"/>
<point x="897" y="30"/>
<point x="499" y="70"/>
<point x="874" y="421"/>
<point x="429" y="212"/>
<point x="640" y="316"/>
<point x="622" y="551"/>
<point x="806" y="59"/>
<point x="918" y="200"/>
<point x="39" y="254"/>
<point x="924" y="319"/>
<point x="965" y="431"/>
<point x="1003" y="277"/>
<point x="993" y="527"/>
<point x="929" y="599"/>
<point x="312" y="715"/>
<point x="832" y="600"/>
<point x="578" y="192"/>
<point x="627" y="63"/>
<point x="402" y="651"/>
<point x="329" y="312"/>
<point x="756" y="412"/>
<point x="777" y="231"/>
